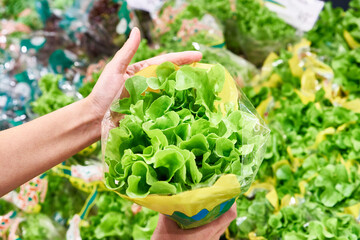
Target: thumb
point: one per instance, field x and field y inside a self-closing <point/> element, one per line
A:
<point x="122" y="58"/>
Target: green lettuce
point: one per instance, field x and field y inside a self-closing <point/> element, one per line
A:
<point x="87" y="87"/>
<point x="346" y="68"/>
<point x="40" y="226"/>
<point x="114" y="219"/>
<point x="178" y="138"/>
<point x="319" y="174"/>
<point x="52" y="97"/>
<point x="62" y="199"/>
<point x="256" y="31"/>
<point x="327" y="34"/>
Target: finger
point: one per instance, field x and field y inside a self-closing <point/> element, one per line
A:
<point x="218" y="234"/>
<point x="216" y="227"/>
<point x="123" y="57"/>
<point x="224" y="220"/>
<point x="179" y="58"/>
<point x="213" y="230"/>
<point x="165" y="228"/>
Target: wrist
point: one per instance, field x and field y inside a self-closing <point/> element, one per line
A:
<point x="96" y="112"/>
<point x="93" y="116"/>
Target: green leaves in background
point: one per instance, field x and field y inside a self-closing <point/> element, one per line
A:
<point x="116" y="220"/>
<point x="52" y="97"/>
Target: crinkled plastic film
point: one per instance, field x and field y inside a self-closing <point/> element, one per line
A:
<point x="240" y="69"/>
<point x="257" y="50"/>
<point x="176" y="18"/>
<point x="170" y="150"/>
<point x="255" y="47"/>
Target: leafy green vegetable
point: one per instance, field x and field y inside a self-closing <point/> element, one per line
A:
<point x="32" y="20"/>
<point x="256" y="31"/>
<point x="311" y="161"/>
<point x="189" y="10"/>
<point x="327" y="34"/>
<point x="61" y="4"/>
<point x="62" y="199"/>
<point x="351" y="20"/>
<point x="300" y="222"/>
<point x="10" y="9"/>
<point x="115" y="219"/>
<point x="346" y="67"/>
<point x="52" y="97"/>
<point x="172" y="140"/>
<point x="86" y="89"/>
<point x="307" y="220"/>
<point x="5" y="207"/>
<point x="40" y="226"/>
<point x="253" y="216"/>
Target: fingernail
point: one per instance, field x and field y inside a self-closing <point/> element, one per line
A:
<point x="135" y="29"/>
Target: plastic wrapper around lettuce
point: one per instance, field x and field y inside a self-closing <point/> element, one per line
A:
<point x="255" y="31"/>
<point x="183" y="141"/>
<point x="240" y="69"/>
<point x="257" y="50"/>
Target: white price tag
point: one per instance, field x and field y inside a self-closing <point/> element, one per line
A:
<point x="150" y="6"/>
<point x="301" y="14"/>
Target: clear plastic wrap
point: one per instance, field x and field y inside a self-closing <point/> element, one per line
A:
<point x="180" y="23"/>
<point x="242" y="70"/>
<point x="185" y="143"/>
<point x="255" y="31"/>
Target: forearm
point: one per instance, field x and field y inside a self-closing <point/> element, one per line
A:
<point x="32" y="148"/>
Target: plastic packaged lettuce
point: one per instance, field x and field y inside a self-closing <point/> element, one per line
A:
<point x="181" y="23"/>
<point x="184" y="141"/>
<point x="255" y="31"/>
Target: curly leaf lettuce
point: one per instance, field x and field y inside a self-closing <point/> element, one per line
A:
<point x="52" y="97"/>
<point x="177" y="136"/>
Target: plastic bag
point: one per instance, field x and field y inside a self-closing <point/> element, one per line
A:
<point x="185" y="143"/>
<point x="180" y="23"/>
<point x="255" y="31"/>
<point x="242" y="70"/>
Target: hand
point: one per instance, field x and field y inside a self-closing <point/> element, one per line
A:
<point x="112" y="79"/>
<point x="168" y="229"/>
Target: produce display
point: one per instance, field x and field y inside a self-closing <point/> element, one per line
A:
<point x="307" y="181"/>
<point x="172" y="135"/>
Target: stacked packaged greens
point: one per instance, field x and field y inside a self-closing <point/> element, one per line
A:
<point x="250" y="28"/>
<point x="180" y="23"/>
<point x="182" y="130"/>
<point x="242" y="70"/>
<point x="255" y="31"/>
<point x="184" y="25"/>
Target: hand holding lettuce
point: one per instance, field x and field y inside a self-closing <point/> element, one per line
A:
<point x="183" y="132"/>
